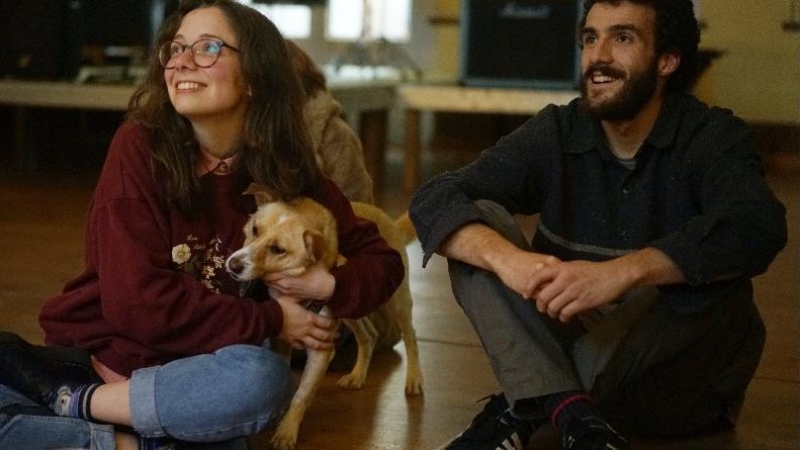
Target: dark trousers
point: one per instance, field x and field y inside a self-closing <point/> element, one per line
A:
<point x="652" y="370"/>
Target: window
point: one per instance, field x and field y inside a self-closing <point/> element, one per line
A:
<point x="293" y="21"/>
<point x="351" y="20"/>
<point x="346" y="20"/>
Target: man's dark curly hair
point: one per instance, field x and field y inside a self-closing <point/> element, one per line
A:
<point x="676" y="31"/>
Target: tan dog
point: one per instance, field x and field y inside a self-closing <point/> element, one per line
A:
<point x="290" y="236"/>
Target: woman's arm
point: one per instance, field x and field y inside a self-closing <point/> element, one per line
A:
<point x="373" y="271"/>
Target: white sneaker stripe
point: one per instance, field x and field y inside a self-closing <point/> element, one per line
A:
<point x="512" y="443"/>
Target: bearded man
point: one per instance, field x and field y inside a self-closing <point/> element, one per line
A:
<point x="631" y="309"/>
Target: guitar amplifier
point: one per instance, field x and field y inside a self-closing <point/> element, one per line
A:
<point x="520" y="43"/>
<point x="39" y="39"/>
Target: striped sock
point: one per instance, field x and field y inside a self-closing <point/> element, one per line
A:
<point x="565" y="406"/>
<point x="72" y="400"/>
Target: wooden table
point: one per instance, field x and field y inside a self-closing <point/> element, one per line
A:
<point x="365" y="103"/>
<point x="418" y="98"/>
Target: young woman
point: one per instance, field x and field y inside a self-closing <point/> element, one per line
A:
<point x="176" y="347"/>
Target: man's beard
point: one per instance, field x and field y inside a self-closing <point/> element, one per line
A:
<point x="624" y="105"/>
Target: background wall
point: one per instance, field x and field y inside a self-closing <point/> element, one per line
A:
<point x="758" y="76"/>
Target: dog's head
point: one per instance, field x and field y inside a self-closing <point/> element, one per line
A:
<point x="283" y="236"/>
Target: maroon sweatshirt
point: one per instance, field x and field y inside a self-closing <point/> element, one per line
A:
<point x="155" y="288"/>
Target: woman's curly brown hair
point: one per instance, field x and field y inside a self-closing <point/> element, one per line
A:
<point x="275" y="147"/>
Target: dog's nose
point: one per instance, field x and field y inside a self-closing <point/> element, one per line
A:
<point x="235" y="265"/>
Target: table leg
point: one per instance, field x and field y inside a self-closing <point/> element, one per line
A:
<point x="411" y="157"/>
<point x="372" y="131"/>
<point x="19" y="138"/>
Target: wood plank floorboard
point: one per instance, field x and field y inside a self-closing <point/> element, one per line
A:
<point x="41" y="234"/>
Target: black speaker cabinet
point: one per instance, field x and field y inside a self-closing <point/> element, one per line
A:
<point x="39" y="39"/>
<point x="520" y="43"/>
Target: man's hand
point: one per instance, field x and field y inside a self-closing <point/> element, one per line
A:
<point x="568" y="288"/>
<point x="303" y="328"/>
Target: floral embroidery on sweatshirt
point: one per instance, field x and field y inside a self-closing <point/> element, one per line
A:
<point x="201" y="261"/>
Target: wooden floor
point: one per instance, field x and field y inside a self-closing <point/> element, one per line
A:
<point x="41" y="226"/>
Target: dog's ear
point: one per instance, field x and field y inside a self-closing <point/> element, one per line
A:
<point x="315" y="245"/>
<point x="262" y="194"/>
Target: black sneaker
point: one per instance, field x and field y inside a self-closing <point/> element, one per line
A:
<point x="593" y="433"/>
<point x="34" y="370"/>
<point x="494" y="428"/>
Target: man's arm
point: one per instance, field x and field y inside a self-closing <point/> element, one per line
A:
<point x="650" y="267"/>
<point x="481" y="246"/>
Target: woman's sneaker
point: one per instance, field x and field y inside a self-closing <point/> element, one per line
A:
<point x="35" y="370"/>
<point x="494" y="428"/>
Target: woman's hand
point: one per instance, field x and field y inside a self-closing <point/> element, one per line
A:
<point x="316" y="283"/>
<point x="303" y="328"/>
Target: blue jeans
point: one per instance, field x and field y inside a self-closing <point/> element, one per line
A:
<point x="216" y="399"/>
<point x="32" y="431"/>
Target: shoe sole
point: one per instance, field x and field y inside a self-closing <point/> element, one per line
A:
<point x="74" y="364"/>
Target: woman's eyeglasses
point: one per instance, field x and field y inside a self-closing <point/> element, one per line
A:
<point x="205" y="52"/>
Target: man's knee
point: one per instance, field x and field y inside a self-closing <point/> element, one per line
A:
<point x="699" y="389"/>
<point x="499" y="219"/>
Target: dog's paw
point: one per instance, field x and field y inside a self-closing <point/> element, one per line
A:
<point x="414" y="386"/>
<point x="283" y="441"/>
<point x="351" y="381"/>
<point x="285" y="437"/>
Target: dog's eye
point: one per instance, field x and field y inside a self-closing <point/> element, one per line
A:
<point x="276" y="250"/>
<point x="254" y="231"/>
